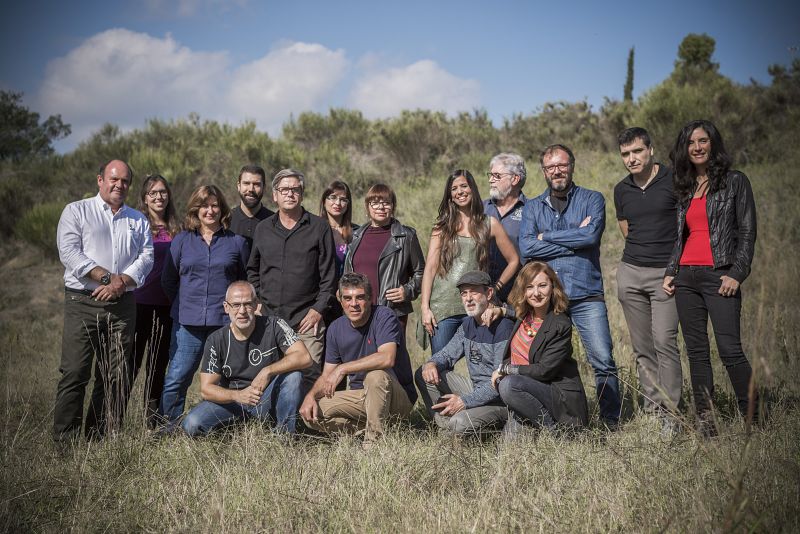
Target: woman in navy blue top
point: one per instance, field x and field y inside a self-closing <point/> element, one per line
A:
<point x="203" y="260"/>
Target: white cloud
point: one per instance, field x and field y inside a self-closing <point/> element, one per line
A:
<point x="423" y="84"/>
<point x="291" y="79"/>
<point x="124" y="77"/>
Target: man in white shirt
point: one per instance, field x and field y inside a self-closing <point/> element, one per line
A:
<point x="107" y="251"/>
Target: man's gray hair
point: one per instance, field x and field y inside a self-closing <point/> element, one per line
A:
<point x="513" y="163"/>
<point x="243" y="284"/>
<point x="287" y="173"/>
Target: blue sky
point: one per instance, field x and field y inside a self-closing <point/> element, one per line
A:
<point x="233" y="60"/>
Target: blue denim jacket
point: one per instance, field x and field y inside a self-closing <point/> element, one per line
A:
<point x="573" y="252"/>
<point x="484" y="347"/>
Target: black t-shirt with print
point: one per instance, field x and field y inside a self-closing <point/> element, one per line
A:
<point x="240" y="361"/>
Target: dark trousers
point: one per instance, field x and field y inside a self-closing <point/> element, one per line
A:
<point x="697" y="299"/>
<point x="528" y="399"/>
<point x="153" y="328"/>
<point x="100" y="333"/>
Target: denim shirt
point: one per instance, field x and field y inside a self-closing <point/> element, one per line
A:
<point x="572" y="252"/>
<point x="511" y="222"/>
<point x="197" y="275"/>
<point x="484" y="348"/>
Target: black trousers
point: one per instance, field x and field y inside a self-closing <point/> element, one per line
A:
<point x="98" y="333"/>
<point x="697" y="298"/>
<point x="153" y="327"/>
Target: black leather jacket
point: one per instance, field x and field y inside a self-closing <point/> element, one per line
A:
<point x="731" y="224"/>
<point x="401" y="263"/>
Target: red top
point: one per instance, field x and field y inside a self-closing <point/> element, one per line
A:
<point x="697" y="250"/>
<point x="521" y="342"/>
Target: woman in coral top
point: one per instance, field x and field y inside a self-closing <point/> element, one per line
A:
<point x="712" y="256"/>
<point x="539" y="379"/>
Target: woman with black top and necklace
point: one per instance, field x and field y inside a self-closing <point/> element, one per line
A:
<point x="539" y="379"/>
<point x="711" y="258"/>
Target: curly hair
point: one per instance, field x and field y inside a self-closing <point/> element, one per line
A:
<point x="685" y="173"/>
<point x="449" y="220"/>
<point x="558" y="300"/>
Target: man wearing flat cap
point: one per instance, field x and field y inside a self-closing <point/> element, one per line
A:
<point x="458" y="404"/>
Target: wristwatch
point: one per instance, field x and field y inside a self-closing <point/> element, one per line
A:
<point x="105" y="279"/>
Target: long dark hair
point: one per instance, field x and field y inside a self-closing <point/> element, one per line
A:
<point x="347" y="215"/>
<point x="719" y="162"/>
<point x="449" y="220"/>
<point x="171" y="220"/>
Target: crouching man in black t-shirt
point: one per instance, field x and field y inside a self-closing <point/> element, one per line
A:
<point x="250" y="368"/>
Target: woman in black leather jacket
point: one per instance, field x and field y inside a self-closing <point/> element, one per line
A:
<point x="711" y="258"/>
<point x="388" y="253"/>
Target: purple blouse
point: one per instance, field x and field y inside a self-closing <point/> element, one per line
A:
<point x="150" y="293"/>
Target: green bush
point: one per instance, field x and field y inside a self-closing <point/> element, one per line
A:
<point x="38" y="227"/>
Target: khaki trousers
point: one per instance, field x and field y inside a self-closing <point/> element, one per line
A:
<point x="347" y="411"/>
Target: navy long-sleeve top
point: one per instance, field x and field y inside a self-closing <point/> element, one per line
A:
<point x="196" y="275"/>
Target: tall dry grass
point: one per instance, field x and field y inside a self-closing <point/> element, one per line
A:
<point x="748" y="479"/>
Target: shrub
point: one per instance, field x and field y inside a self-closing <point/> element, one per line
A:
<point x="38" y="227"/>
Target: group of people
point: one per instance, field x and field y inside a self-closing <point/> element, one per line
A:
<point x="292" y="316"/>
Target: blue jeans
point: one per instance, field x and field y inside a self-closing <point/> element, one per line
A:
<point x="591" y="320"/>
<point x="278" y="405"/>
<point x="185" y="352"/>
<point x="444" y="332"/>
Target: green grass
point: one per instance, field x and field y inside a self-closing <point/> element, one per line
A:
<point x="416" y="481"/>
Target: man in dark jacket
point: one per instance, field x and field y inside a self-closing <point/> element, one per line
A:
<point x="292" y="265"/>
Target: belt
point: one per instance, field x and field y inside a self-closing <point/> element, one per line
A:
<point x="87" y="292"/>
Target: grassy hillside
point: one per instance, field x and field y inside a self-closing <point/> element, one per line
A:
<point x="417" y="480"/>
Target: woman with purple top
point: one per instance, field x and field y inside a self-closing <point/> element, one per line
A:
<point x="336" y="207"/>
<point x="203" y="260"/>
<point x="388" y="254"/>
<point x="153" y="322"/>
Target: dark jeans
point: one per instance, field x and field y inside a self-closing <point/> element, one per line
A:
<point x="528" y="399"/>
<point x="153" y="328"/>
<point x="697" y="298"/>
<point x="100" y="333"/>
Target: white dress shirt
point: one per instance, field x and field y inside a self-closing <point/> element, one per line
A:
<point x="91" y="235"/>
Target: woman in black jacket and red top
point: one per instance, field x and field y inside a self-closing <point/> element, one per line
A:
<point x="388" y="253"/>
<point x="539" y="379"/>
<point x="712" y="256"/>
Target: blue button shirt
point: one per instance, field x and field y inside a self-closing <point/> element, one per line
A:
<point x="572" y="252"/>
<point x="511" y="222"/>
<point x="197" y="275"/>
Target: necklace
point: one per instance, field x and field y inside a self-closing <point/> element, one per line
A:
<point x="531" y="325"/>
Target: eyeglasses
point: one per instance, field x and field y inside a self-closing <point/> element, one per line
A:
<point x="377" y="204"/>
<point x="160" y="193"/>
<point x="561" y="167"/>
<point x="495" y="176"/>
<point x="249" y="306"/>
<point x="334" y="199"/>
<point x="286" y="191"/>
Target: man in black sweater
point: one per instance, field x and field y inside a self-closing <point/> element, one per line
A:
<point x="292" y="265"/>
<point x="647" y="214"/>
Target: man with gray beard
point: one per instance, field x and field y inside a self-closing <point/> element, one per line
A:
<point x="457" y="404"/>
<point x="506" y="180"/>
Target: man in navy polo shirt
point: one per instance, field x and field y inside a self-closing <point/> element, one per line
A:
<point x="505" y="203"/>
<point x="366" y="345"/>
<point x="647" y="211"/>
